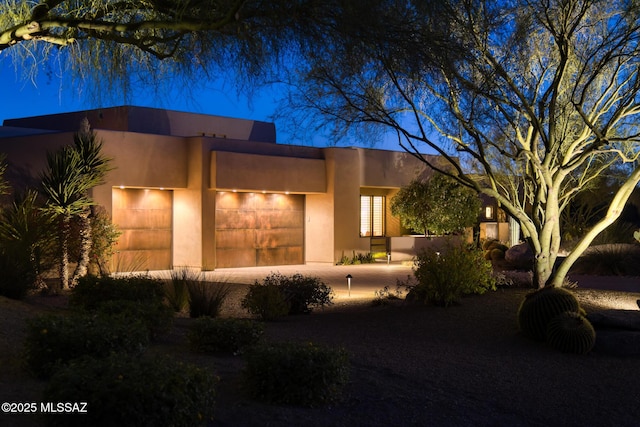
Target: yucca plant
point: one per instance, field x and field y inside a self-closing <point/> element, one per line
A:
<point x="71" y="172"/>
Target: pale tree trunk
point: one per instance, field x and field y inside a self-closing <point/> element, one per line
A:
<point x="65" y="229"/>
<point x="548" y="242"/>
<point x="86" y="243"/>
<point x="613" y="213"/>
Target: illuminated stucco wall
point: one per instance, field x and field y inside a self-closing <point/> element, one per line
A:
<point x="346" y="194"/>
<point x="252" y="172"/>
<point x="146" y="161"/>
<point x="145" y="219"/>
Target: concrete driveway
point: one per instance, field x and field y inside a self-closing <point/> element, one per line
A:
<point x="366" y="278"/>
<point x="369" y="278"/>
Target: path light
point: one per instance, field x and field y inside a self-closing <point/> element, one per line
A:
<point x="349" y="277"/>
<point x="388" y="257"/>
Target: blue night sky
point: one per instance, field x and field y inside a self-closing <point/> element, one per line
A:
<point x="51" y="94"/>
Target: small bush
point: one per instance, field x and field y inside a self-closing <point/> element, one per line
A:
<point x="299" y="374"/>
<point x="266" y="301"/>
<point x="443" y="278"/>
<point x="206" y="298"/>
<point x="384" y="295"/>
<point x="91" y="291"/>
<point x="157" y="318"/>
<point x="360" y="258"/>
<point x="27" y="245"/>
<point x="513" y="279"/>
<point x="54" y="339"/>
<point x="16" y="279"/>
<point x="209" y="335"/>
<point x="131" y="391"/>
<point x="301" y="292"/>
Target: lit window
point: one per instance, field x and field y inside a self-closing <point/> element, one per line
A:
<point x="372" y="216"/>
<point x="488" y="212"/>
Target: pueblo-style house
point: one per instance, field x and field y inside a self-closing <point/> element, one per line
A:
<point x="208" y="192"/>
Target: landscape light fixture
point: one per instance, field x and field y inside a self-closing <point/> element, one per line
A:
<point x="349" y="277"/>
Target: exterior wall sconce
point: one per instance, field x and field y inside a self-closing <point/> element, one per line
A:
<point x="349" y="277"/>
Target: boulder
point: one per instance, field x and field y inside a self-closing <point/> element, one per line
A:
<point x="519" y="255"/>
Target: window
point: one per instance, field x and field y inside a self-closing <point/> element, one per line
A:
<point x="488" y="212"/>
<point x="372" y="210"/>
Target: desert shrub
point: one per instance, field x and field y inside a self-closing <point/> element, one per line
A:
<point x="513" y="279"/>
<point x="443" y="278"/>
<point x="296" y="373"/>
<point x="130" y="391"/>
<point x="266" y="301"/>
<point x="493" y="250"/>
<point x="303" y="293"/>
<point x="52" y="340"/>
<point x="571" y="332"/>
<point x="209" y="335"/>
<point x="176" y="292"/>
<point x="360" y="258"/>
<point x="187" y="286"/>
<point x="496" y="254"/>
<point x="156" y="317"/>
<point x="206" y="298"/>
<point x="384" y="295"/>
<point x="16" y="277"/>
<point x="27" y="245"/>
<point x="609" y="260"/>
<point x="91" y="291"/>
<point x="539" y="307"/>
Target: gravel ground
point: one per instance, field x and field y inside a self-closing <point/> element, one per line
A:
<point x="466" y="365"/>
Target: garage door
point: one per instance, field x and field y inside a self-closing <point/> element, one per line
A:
<point x="144" y="217"/>
<point x="254" y="229"/>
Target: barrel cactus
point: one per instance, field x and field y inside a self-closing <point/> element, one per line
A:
<point x="540" y="306"/>
<point x="571" y="332"/>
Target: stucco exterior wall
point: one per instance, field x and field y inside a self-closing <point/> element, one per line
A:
<point x="253" y="172"/>
<point x="345" y="186"/>
<point x="143" y="160"/>
<point x="390" y="169"/>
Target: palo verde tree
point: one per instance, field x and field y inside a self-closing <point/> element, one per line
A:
<point x="132" y="42"/>
<point x="538" y="98"/>
<point x="440" y="205"/>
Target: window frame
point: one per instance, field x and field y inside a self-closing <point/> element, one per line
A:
<point x="374" y="222"/>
